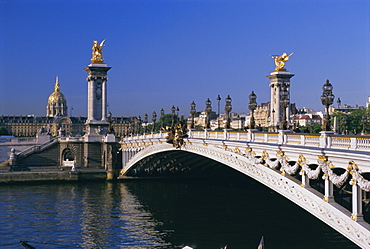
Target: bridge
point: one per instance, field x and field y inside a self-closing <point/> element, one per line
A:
<point x="325" y="174"/>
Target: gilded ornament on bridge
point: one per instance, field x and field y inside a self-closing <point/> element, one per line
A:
<point x="176" y="135"/>
<point x="97" y="52"/>
<point x="280" y="61"/>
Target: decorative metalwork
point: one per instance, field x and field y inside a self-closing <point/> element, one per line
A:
<point x="284" y="102"/>
<point x="327" y="98"/>
<point x="218" y="112"/>
<point x="110" y="129"/>
<point x="154" y="118"/>
<point x="192" y="114"/>
<point x="228" y="109"/>
<point x="252" y="106"/>
<point x="208" y="114"/>
<point x="173" y="109"/>
<point x="363" y="121"/>
<point x="162" y="118"/>
<point x="145" y="122"/>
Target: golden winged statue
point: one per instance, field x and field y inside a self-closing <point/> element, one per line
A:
<point x="97" y="52"/>
<point x="280" y="61"/>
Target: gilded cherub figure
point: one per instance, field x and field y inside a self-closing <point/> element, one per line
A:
<point x="97" y="52"/>
<point x="280" y="61"/>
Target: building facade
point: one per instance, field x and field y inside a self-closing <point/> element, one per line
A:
<point x="57" y="122"/>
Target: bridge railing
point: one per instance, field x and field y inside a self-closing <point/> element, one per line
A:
<point x="158" y="135"/>
<point x="325" y="139"/>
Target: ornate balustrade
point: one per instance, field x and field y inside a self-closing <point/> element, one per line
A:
<point x="323" y="140"/>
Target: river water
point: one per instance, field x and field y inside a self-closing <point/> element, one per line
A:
<point x="198" y="212"/>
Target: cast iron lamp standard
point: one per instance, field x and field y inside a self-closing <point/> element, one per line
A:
<point x="344" y="122"/>
<point x="138" y="125"/>
<point x="208" y="112"/>
<point x="192" y="114"/>
<point x="284" y="102"/>
<point x="218" y="111"/>
<point x="173" y="109"/>
<point x="252" y="106"/>
<point x="363" y="121"/>
<point x="327" y="98"/>
<point x="145" y="122"/>
<point x="162" y="118"/>
<point x="154" y="118"/>
<point x="228" y="109"/>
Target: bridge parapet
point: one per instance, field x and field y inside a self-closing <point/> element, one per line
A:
<point x="323" y="140"/>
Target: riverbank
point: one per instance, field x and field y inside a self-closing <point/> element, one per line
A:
<point x="52" y="174"/>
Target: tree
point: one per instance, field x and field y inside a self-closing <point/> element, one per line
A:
<point x="352" y="122"/>
<point x="3" y="131"/>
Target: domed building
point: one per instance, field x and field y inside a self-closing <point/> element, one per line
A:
<point x="57" y="103"/>
<point x="56" y="122"/>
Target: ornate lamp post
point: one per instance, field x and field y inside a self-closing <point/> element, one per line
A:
<point x="173" y="109"/>
<point x="228" y="109"/>
<point x="218" y="111"/>
<point x="327" y="98"/>
<point x="208" y="112"/>
<point x="162" y="118"/>
<point x="252" y="106"/>
<point x="130" y="128"/>
<point x="363" y="121"/>
<point x="145" y="122"/>
<point x="344" y="122"/>
<point x="154" y="118"/>
<point x="192" y="114"/>
<point x="138" y="125"/>
<point x="284" y="102"/>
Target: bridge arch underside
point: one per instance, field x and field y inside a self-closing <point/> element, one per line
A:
<point x="177" y="163"/>
<point x="198" y="161"/>
<point x="180" y="163"/>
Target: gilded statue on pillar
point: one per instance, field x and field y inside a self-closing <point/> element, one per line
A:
<point x="97" y="52"/>
<point x="280" y="61"/>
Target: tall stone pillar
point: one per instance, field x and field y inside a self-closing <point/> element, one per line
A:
<point x="96" y="123"/>
<point x="279" y="79"/>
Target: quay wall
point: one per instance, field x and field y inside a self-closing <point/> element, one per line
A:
<point x="29" y="176"/>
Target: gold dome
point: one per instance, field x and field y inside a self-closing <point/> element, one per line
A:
<point x="56" y="96"/>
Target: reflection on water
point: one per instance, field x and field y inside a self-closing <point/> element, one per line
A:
<point x="91" y="215"/>
<point x="158" y="214"/>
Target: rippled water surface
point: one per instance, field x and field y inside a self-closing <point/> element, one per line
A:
<point x="201" y="213"/>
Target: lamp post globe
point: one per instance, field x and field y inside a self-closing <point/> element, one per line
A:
<point x="192" y="114"/>
<point x="327" y="99"/>
<point x="154" y="118"/>
<point x="218" y="112"/>
<point x="363" y="121"/>
<point x="208" y="114"/>
<point x="228" y="109"/>
<point x="252" y="106"/>
<point x="173" y="109"/>
<point x="162" y="118"/>
<point x="284" y="102"/>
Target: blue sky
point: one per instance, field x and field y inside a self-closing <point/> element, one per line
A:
<point x="165" y="53"/>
